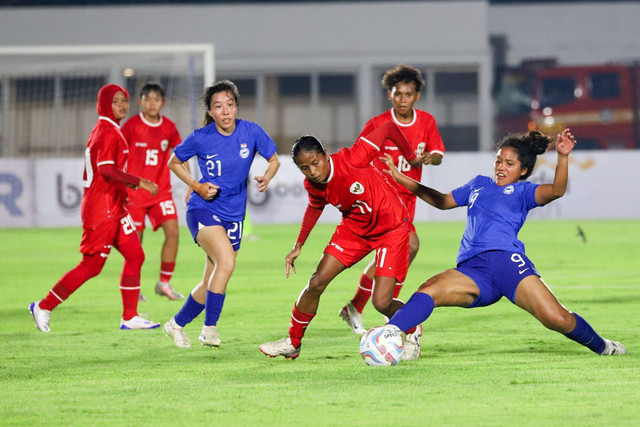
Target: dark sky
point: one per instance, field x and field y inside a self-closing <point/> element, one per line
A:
<point x="23" y="3"/>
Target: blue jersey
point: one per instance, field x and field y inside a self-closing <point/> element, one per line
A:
<point x="495" y="215"/>
<point x="225" y="161"/>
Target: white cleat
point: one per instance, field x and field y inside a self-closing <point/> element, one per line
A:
<point x="613" y="348"/>
<point x="411" y="350"/>
<point x="349" y="314"/>
<point x="209" y="336"/>
<point x="281" y="347"/>
<point x="138" y="322"/>
<point x="175" y="331"/>
<point x="40" y="316"/>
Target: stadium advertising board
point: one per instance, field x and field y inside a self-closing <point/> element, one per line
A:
<point x="601" y="185"/>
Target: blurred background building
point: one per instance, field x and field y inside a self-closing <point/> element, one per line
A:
<point x="315" y="67"/>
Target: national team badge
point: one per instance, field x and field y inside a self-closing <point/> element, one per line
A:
<point x="508" y="189"/>
<point x="356" y="188"/>
<point x="244" y="151"/>
<point x="164" y="144"/>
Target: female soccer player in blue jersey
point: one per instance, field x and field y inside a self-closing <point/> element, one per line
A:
<point x="225" y="148"/>
<point x="491" y="261"/>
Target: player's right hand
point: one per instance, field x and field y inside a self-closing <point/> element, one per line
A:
<point x="290" y="259"/>
<point x="206" y="190"/>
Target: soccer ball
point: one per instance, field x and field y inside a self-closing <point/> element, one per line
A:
<point x="381" y="346"/>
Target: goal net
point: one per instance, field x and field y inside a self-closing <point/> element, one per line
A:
<point x="48" y="94"/>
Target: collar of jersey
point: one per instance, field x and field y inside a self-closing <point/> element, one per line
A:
<point x="399" y="123"/>
<point x="332" y="170"/>
<point x="109" y="120"/>
<point x="148" y="123"/>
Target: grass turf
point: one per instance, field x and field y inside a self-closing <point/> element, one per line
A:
<point x="486" y="366"/>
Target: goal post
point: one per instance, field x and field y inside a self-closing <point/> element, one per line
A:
<point x="48" y="93"/>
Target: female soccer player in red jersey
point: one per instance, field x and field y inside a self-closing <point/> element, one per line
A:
<point x="404" y="85"/>
<point x="373" y="219"/>
<point x="152" y="138"/>
<point x="105" y="220"/>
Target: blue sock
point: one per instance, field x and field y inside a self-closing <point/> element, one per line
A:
<point x="213" y="308"/>
<point x="189" y="311"/>
<point x="415" y="311"/>
<point x="585" y="335"/>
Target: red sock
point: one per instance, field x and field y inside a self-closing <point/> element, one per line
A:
<point x="129" y="289"/>
<point x="298" y="325"/>
<point x="89" y="267"/>
<point x="133" y="255"/>
<point x="363" y="293"/>
<point x="166" y="271"/>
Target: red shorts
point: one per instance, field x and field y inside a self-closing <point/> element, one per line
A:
<point x="106" y="235"/>
<point x="392" y="250"/>
<point x="159" y="212"/>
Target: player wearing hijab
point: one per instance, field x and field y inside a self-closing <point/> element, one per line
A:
<point x="225" y="148"/>
<point x="152" y="138"/>
<point x="105" y="220"/>
<point x="404" y="85"/>
<point x="373" y="219"/>
<point x="491" y="261"/>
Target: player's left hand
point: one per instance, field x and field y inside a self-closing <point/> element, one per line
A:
<point x="421" y="159"/>
<point x="565" y="142"/>
<point x="393" y="170"/>
<point x="262" y="183"/>
<point x="291" y="257"/>
<point x="151" y="187"/>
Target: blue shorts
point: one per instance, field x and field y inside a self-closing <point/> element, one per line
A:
<point x="198" y="218"/>
<point x="497" y="274"/>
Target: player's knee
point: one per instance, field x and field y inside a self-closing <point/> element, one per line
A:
<point x="317" y="284"/>
<point x="381" y="304"/>
<point x="557" y="319"/>
<point x="90" y="267"/>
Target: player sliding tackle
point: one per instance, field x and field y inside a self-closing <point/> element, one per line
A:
<point x="491" y="260"/>
<point x="373" y="219"/>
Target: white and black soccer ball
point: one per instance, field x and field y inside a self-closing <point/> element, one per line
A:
<point x="381" y="346"/>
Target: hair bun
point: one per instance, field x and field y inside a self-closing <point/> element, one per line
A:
<point x="539" y="141"/>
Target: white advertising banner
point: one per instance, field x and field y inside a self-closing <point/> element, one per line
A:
<point x="16" y="193"/>
<point x="602" y="185"/>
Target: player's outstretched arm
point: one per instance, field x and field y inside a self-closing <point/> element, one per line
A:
<point x="429" y="195"/>
<point x="272" y="167"/>
<point x="546" y="193"/>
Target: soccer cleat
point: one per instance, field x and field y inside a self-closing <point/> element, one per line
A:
<point x="165" y="289"/>
<point x="349" y="314"/>
<point x="209" y="336"/>
<point x="142" y="298"/>
<point x="175" y="331"/>
<point x="138" y="322"/>
<point x="613" y="348"/>
<point x="40" y="316"/>
<point x="411" y="349"/>
<point x="281" y="347"/>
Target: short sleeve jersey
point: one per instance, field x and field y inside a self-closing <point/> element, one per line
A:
<point x="103" y="198"/>
<point x="150" y="146"/>
<point x="225" y="161"/>
<point x="369" y="204"/>
<point x="422" y="134"/>
<point x="495" y="215"/>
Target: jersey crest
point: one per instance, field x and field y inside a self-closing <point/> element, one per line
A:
<point x="164" y="144"/>
<point x="356" y="188"/>
<point x="244" y="151"/>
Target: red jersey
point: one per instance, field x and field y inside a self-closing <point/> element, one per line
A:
<point x="369" y="205"/>
<point x="150" y="146"/>
<point x="103" y="198"/>
<point x="422" y="134"/>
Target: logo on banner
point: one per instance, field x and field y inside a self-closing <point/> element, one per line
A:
<point x="69" y="196"/>
<point x="8" y="199"/>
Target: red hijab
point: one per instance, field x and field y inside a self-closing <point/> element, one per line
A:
<point x="105" y="99"/>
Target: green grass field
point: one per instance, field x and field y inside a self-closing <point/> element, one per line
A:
<point x="486" y="366"/>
